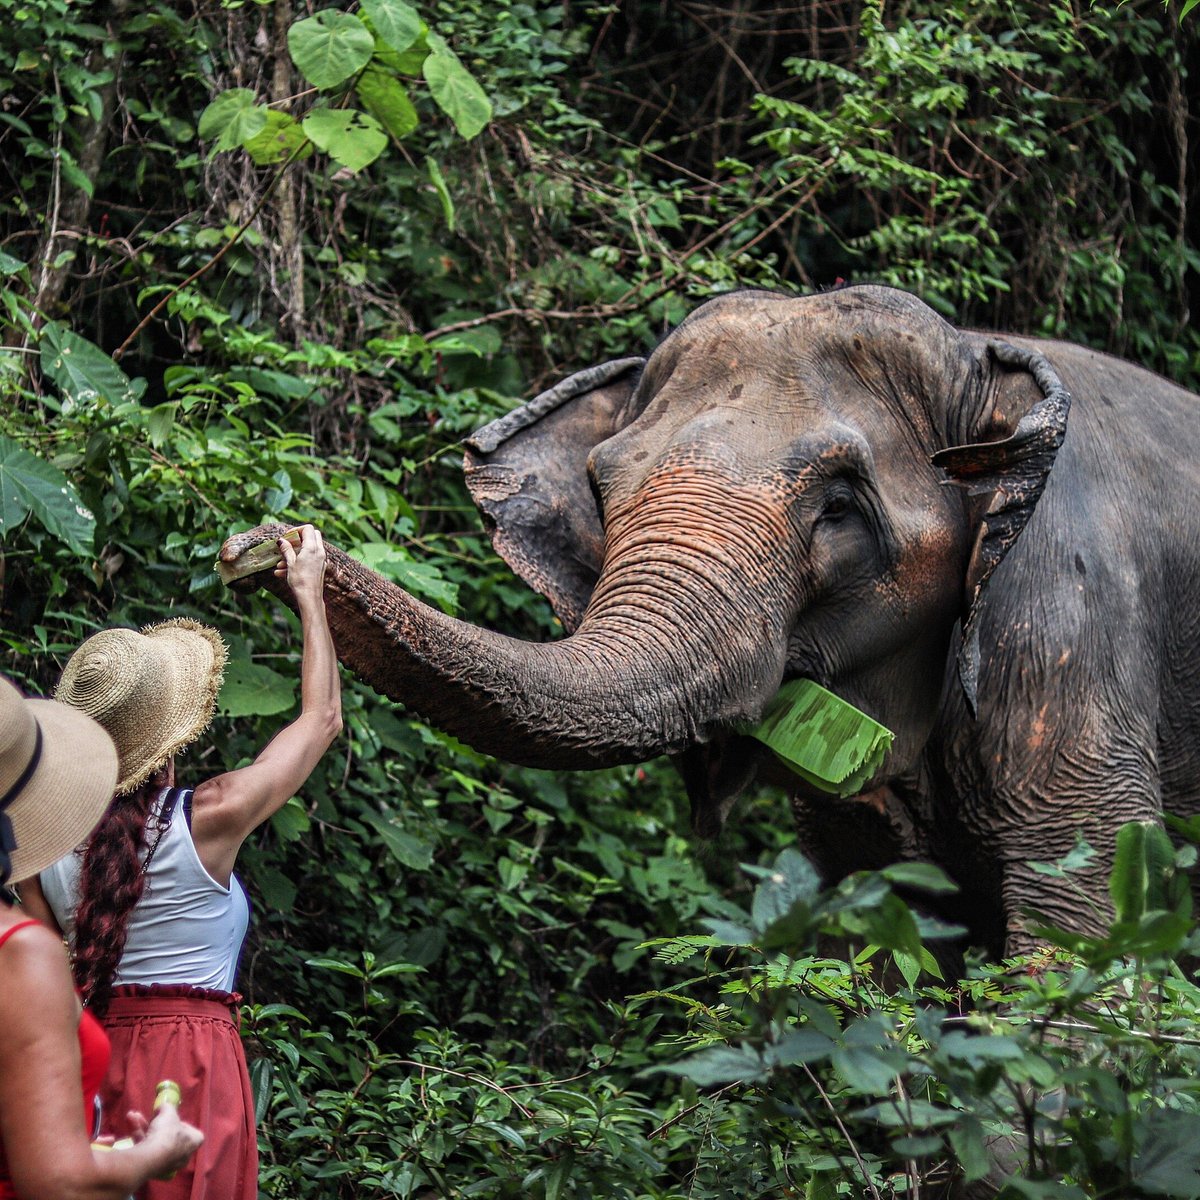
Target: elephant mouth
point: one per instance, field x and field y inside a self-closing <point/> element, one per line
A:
<point x="716" y="773"/>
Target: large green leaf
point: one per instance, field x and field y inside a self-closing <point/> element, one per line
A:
<point x="386" y="100"/>
<point x="232" y="119"/>
<point x="720" y="1064"/>
<point x="409" y="851"/>
<point x="1142" y="863"/>
<point x="30" y="485"/>
<point x="252" y="690"/>
<point x="1166" y="1161"/>
<point x="81" y="371"/>
<point x="330" y="47"/>
<point x="279" y="138"/>
<point x="399" y="24"/>
<point x="456" y="93"/>
<point x="349" y="137"/>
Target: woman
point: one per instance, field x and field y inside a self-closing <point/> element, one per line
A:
<point x="57" y="770"/>
<point x="153" y="911"/>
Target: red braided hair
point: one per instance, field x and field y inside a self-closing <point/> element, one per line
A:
<point x="110" y="885"/>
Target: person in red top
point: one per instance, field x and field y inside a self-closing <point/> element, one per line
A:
<point x="57" y="773"/>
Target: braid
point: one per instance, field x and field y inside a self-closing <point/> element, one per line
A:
<point x="110" y="885"/>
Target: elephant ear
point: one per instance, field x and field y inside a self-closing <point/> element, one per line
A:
<point x="527" y="472"/>
<point x="1005" y="478"/>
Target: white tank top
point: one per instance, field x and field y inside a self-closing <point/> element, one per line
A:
<point x="186" y="928"/>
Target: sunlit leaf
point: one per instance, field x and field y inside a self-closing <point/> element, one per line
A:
<point x="457" y="94"/>
<point x="399" y="24"/>
<point x="349" y="137"/>
<point x="330" y="47"/>
<point x="281" y="137"/>
<point x="82" y="372"/>
<point x="232" y="119"/>
<point x="31" y="486"/>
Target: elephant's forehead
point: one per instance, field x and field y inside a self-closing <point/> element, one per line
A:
<point x="809" y="361"/>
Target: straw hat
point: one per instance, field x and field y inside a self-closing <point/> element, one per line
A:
<point x="153" y="691"/>
<point x="57" y="773"/>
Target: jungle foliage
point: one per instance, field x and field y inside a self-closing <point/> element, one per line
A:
<point x="265" y="261"/>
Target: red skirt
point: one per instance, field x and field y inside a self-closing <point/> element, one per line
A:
<point x="190" y="1035"/>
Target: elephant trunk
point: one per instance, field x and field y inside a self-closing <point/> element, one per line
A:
<point x="634" y="681"/>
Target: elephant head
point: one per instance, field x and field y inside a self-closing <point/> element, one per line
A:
<point x="764" y="497"/>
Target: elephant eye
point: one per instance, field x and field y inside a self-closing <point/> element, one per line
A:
<point x="837" y="504"/>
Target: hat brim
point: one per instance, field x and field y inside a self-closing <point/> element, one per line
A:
<point x="68" y="792"/>
<point x="193" y="656"/>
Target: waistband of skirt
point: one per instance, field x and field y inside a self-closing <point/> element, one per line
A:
<point x="172" y="1000"/>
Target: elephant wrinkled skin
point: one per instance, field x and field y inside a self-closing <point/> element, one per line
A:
<point x="991" y="545"/>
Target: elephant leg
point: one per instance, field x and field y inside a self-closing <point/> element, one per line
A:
<point x="1088" y="792"/>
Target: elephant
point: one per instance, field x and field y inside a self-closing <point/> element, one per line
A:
<point x="845" y="487"/>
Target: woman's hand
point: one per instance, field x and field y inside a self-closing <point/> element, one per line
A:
<point x="304" y="569"/>
<point x="168" y="1136"/>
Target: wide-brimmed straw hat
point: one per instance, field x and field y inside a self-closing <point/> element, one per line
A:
<point x="154" y="691"/>
<point x="58" y="769"/>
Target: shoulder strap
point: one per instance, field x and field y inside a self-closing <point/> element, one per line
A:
<point x="166" y="808"/>
<point x="160" y="822"/>
<point x="19" y="925"/>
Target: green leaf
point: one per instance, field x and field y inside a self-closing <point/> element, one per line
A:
<point x="386" y="100"/>
<point x="1166" y="1160"/>
<point x="74" y="174"/>
<point x="82" y="372"/>
<point x="967" y="1142"/>
<point x="407" y="62"/>
<point x="867" y="1069"/>
<point x="924" y="876"/>
<point x="232" y="119"/>
<point x="803" y="1045"/>
<point x="280" y="138"/>
<point x="276" y="889"/>
<point x="291" y="822"/>
<point x="868" y="1060"/>
<point x="727" y="933"/>
<point x="456" y="93"/>
<point x="336" y="964"/>
<point x="720" y="1064"/>
<point x="159" y="421"/>
<point x="10" y="265"/>
<point x="30" y="485"/>
<point x="439" y="185"/>
<point x="348" y="136"/>
<point x="823" y="738"/>
<point x="409" y="851"/>
<point x="396" y="22"/>
<point x="261" y="1072"/>
<point x="1143" y="860"/>
<point x="890" y="924"/>
<point x="251" y="689"/>
<point x="330" y="48"/>
<point x="909" y="966"/>
<point x="791" y="879"/>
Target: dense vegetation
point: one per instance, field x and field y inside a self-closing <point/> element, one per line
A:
<point x="359" y="233"/>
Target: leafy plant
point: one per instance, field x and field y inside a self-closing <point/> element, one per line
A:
<point x="368" y="54"/>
